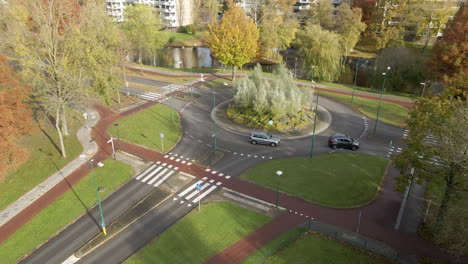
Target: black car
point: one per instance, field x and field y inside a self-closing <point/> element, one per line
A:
<point x="340" y="141"/>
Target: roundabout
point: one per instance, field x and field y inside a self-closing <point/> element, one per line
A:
<point x="234" y="154"/>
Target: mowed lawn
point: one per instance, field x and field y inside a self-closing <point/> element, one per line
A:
<point x="44" y="160"/>
<point x="390" y="113"/>
<point x="144" y="128"/>
<point x="336" y="180"/>
<point x="200" y="235"/>
<point x="64" y="210"/>
<point x="317" y="249"/>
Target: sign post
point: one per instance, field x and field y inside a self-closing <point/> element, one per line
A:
<point x="111" y="140"/>
<point x="199" y="192"/>
<point x="161" y="135"/>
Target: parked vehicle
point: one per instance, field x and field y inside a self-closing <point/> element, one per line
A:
<point x="341" y="141"/>
<point x="260" y="137"/>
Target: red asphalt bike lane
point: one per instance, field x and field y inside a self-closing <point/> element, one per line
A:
<point x="377" y="220"/>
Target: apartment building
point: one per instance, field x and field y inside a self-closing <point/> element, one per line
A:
<point x="174" y="13"/>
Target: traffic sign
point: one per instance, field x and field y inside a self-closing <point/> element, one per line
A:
<point x="161" y="135"/>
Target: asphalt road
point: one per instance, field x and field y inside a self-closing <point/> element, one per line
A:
<point x="63" y="245"/>
<point x="197" y="140"/>
<point x="137" y="235"/>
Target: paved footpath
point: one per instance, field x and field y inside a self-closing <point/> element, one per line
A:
<point x="377" y="217"/>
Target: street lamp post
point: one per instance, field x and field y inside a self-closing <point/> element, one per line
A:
<point x="380" y="100"/>
<point x="99" y="164"/>
<point x="315" y="122"/>
<point x="118" y="134"/>
<point x="277" y="186"/>
<point x="214" y="119"/>
<point x="172" y="108"/>
<point x="355" y="79"/>
<point x="424" y="88"/>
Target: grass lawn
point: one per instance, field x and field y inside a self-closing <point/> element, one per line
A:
<point x="390" y="113"/>
<point x="310" y="248"/>
<point x="402" y="96"/>
<point x="181" y="37"/>
<point x="44" y="158"/>
<point x="65" y="209"/>
<point x="337" y="180"/>
<point x="167" y="79"/>
<point x="273" y="246"/>
<point x="144" y="128"/>
<point x="200" y="235"/>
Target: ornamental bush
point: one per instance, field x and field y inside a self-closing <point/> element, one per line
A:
<point x="258" y="100"/>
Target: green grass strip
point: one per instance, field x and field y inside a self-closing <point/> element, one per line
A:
<point x="44" y="160"/>
<point x="318" y="249"/>
<point x="64" y="210"/>
<point x="272" y="247"/>
<point x="200" y="235"/>
<point x="390" y="113"/>
<point x="337" y="180"/>
<point x="144" y="128"/>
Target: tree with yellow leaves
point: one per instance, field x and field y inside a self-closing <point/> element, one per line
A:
<point x="234" y="40"/>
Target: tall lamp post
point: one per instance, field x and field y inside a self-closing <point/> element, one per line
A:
<point x="380" y="101"/>
<point x="214" y="119"/>
<point x="277" y="186"/>
<point x="424" y="88"/>
<point x="315" y="122"/>
<point x="355" y="79"/>
<point x="99" y="164"/>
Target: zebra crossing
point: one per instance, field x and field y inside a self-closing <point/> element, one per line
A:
<point x="192" y="194"/>
<point x="152" y="96"/>
<point x="145" y="95"/>
<point x="156" y="174"/>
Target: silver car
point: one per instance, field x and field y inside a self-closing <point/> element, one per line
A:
<point x="260" y="137"/>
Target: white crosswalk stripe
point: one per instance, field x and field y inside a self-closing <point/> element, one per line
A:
<point x="156" y="174"/>
<point x="192" y="195"/>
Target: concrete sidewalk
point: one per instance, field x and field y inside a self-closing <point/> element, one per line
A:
<point x="89" y="149"/>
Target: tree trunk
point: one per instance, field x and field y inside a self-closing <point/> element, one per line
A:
<point x="59" y="131"/>
<point x="233" y="73"/>
<point x="446" y="199"/>
<point x="425" y="45"/>
<point x="64" y="122"/>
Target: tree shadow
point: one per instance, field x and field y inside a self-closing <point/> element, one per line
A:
<point x="50" y="139"/>
<point x="49" y="155"/>
<point x="88" y="212"/>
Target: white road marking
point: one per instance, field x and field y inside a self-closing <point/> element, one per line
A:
<point x="157" y="176"/>
<point x="146" y="171"/>
<point x="163" y="179"/>
<point x="151" y="174"/>
<point x="189" y="188"/>
<point x="190" y="196"/>
<point x="204" y="194"/>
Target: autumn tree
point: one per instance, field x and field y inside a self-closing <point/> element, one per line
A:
<point x="15" y="120"/>
<point x="367" y="7"/>
<point x="321" y="14"/>
<point x="278" y="27"/>
<point x="142" y="27"/>
<point x="438" y="151"/>
<point x="428" y="18"/>
<point x="449" y="61"/>
<point x="349" y="26"/>
<point x="62" y="53"/>
<point x="320" y="51"/>
<point x="234" y="40"/>
<point x="386" y="26"/>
